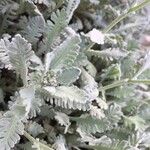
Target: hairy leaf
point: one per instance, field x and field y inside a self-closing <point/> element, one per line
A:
<point x="68" y="76"/>
<point x="60" y="143"/>
<point x="31" y="101"/>
<point x="65" y="54"/>
<point x="112" y="72"/>
<point x="66" y="97"/>
<point x="63" y="119"/>
<point x="134" y="122"/>
<point x="11" y="128"/>
<point x="109" y="54"/>
<point x="54" y="28"/>
<point x="89" y="85"/>
<point x="4" y="58"/>
<point x="35" y="129"/>
<point x="5" y="5"/>
<point x="19" y="52"/>
<point x="34" y="29"/>
<point x="71" y="7"/>
<point x="89" y="124"/>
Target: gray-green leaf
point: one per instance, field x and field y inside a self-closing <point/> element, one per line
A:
<point x="10" y="129"/>
<point x="67" y="97"/>
<point x="65" y="54"/>
<point x="68" y="75"/>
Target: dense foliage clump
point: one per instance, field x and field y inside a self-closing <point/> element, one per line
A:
<point x="74" y="75"/>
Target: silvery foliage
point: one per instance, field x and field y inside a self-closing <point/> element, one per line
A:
<point x="52" y="81"/>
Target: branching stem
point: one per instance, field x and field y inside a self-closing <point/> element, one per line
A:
<point x="122" y="82"/>
<point x="34" y="141"/>
<point x="121" y="17"/>
<point x="124" y="15"/>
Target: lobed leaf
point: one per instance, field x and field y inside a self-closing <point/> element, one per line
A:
<point x="65" y="54"/>
<point x="68" y="76"/>
<point x="11" y="128"/>
<point x="67" y="97"/>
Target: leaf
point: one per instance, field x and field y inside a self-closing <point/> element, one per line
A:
<point x="35" y="129"/>
<point x="114" y="113"/>
<point x="54" y="28"/>
<point x="81" y="59"/>
<point x="36" y="63"/>
<point x="52" y="6"/>
<point x="71" y="7"/>
<point x="112" y="72"/>
<point x="109" y="53"/>
<point x="89" y="84"/>
<point x="144" y="112"/>
<point x="134" y="139"/>
<point x="65" y="34"/>
<point x="40" y="146"/>
<point x="68" y="76"/>
<point x="128" y="70"/>
<point x="92" y="140"/>
<point x="65" y="54"/>
<point x="66" y="97"/>
<point x="95" y="2"/>
<point x="89" y="124"/>
<point x="91" y="69"/>
<point x="26" y="146"/>
<point x="8" y="10"/>
<point x="30" y="7"/>
<point x="25" y="103"/>
<point x="63" y="119"/>
<point x="123" y="92"/>
<point x="101" y="103"/>
<point x="47" y="111"/>
<point x="145" y="74"/>
<point x="5" y="5"/>
<point x="115" y="145"/>
<point x="18" y="53"/>
<point x="60" y="143"/>
<point x="11" y="128"/>
<point x="96" y="112"/>
<point x="135" y="121"/>
<point x="145" y="66"/>
<point x="45" y="2"/>
<point x="4" y="58"/>
<point x="139" y="139"/>
<point x="34" y="29"/>
<point x="31" y="101"/>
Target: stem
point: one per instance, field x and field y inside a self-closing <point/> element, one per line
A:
<point x="113" y="85"/>
<point x="140" y="81"/>
<point x="34" y="141"/>
<point x="114" y="22"/>
<point x="29" y="137"/>
<point x="122" y="82"/>
<point x="121" y="17"/>
<point x="128" y="26"/>
<point x="103" y="94"/>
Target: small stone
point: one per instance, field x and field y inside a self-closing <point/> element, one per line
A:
<point x="96" y="36"/>
<point x="145" y="40"/>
